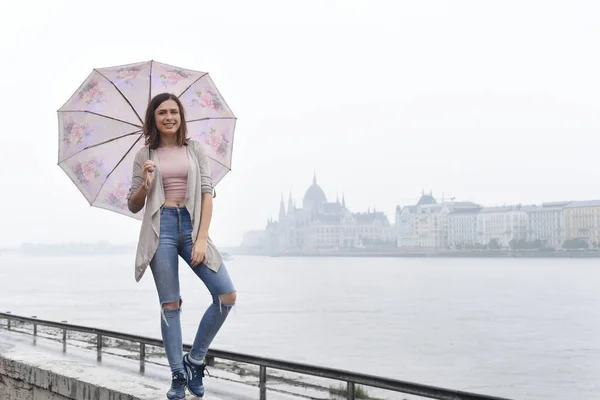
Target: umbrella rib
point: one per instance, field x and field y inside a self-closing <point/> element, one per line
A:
<point x="99" y="115"/>
<point x="122" y="95"/>
<point x="150" y="79"/>
<point x="192" y="84"/>
<point x="113" y="170"/>
<point x="101" y="143"/>
<point x="232" y="140"/>
<point x="219" y="162"/>
<point x="207" y="118"/>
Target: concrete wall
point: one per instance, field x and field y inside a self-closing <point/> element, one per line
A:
<point x="20" y="381"/>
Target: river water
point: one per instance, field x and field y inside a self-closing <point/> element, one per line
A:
<point x="518" y="328"/>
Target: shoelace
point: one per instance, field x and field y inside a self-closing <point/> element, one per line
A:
<point x="178" y="378"/>
<point x="199" y="370"/>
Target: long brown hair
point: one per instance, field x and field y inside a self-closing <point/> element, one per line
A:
<point x="151" y="132"/>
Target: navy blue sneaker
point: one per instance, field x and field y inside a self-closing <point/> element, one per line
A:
<point x="177" y="391"/>
<point x="195" y="374"/>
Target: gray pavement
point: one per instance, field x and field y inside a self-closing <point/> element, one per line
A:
<point x="79" y="369"/>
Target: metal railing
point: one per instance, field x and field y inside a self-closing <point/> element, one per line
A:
<point x="352" y="379"/>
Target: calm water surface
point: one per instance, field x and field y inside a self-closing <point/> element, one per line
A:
<point x="519" y="328"/>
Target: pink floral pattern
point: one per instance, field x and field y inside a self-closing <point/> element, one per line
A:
<point x="127" y="74"/>
<point x="207" y="99"/>
<point x="73" y="133"/>
<point x="173" y="76"/>
<point x="118" y="196"/>
<point x="218" y="142"/>
<point x="86" y="171"/>
<point x="91" y="93"/>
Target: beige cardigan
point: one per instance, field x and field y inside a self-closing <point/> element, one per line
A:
<point x="198" y="182"/>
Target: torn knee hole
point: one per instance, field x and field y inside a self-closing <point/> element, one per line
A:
<point x="228" y="299"/>
<point x="173" y="305"/>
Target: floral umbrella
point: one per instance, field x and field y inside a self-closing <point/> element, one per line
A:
<point x="100" y="126"/>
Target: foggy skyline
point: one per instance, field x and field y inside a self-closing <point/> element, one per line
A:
<point x="489" y="102"/>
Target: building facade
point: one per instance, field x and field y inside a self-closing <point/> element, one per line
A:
<point x="426" y="225"/>
<point x="466" y="225"/>
<point x="321" y="226"/>
<point x="411" y="223"/>
<point x="546" y="224"/>
<point x="581" y="220"/>
<point x="502" y="224"/>
<point x="462" y="229"/>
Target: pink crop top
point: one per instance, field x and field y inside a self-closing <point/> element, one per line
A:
<point x="174" y="166"/>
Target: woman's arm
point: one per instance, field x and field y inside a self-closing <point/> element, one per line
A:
<point x="137" y="201"/>
<point x="206" y="207"/>
<point x="206" y="188"/>
<point x="205" y="216"/>
<point x="140" y="184"/>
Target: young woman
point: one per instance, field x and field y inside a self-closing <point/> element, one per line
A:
<point x="171" y="178"/>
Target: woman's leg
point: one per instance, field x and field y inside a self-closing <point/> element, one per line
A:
<point x="223" y="292"/>
<point x="165" y="270"/>
<point x="224" y="297"/>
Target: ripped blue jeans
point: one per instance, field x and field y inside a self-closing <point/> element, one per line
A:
<point x="176" y="240"/>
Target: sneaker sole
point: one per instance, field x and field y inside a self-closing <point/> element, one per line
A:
<point x="188" y="388"/>
<point x="196" y="397"/>
<point x="178" y="398"/>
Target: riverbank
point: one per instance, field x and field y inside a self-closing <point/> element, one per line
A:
<point x="412" y="254"/>
<point x="42" y="366"/>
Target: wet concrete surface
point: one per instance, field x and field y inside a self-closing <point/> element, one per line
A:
<point x="75" y="373"/>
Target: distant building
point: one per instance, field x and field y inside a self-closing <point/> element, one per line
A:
<point x="321" y="225"/>
<point x="546" y="224"/>
<point x="462" y="229"/>
<point x="408" y="227"/>
<point x="427" y="224"/>
<point x="502" y="224"/>
<point x="450" y="225"/>
<point x="582" y="221"/>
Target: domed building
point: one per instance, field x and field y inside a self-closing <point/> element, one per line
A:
<point x="426" y="199"/>
<point x="314" y="196"/>
<point x="324" y="226"/>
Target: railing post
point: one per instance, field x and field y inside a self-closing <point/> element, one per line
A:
<point x="64" y="337"/>
<point x="262" y="383"/>
<point x="351" y="379"/>
<point x="34" y="331"/>
<point x="351" y="391"/>
<point x="142" y="357"/>
<point x="98" y="347"/>
<point x="8" y="321"/>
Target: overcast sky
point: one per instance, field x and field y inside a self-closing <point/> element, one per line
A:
<point x="490" y="101"/>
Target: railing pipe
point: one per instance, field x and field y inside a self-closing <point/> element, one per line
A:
<point x="350" y="378"/>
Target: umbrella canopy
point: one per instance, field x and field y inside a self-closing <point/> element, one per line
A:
<point x="100" y="126"/>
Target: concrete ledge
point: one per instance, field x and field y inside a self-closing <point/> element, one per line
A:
<point x="20" y="381"/>
<point x="41" y="368"/>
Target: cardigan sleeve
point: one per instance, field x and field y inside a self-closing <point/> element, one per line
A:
<point x="137" y="179"/>
<point x="205" y="177"/>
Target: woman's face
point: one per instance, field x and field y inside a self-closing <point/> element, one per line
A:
<point x="167" y="117"/>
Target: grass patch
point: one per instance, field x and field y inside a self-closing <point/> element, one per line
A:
<point x="342" y="390"/>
